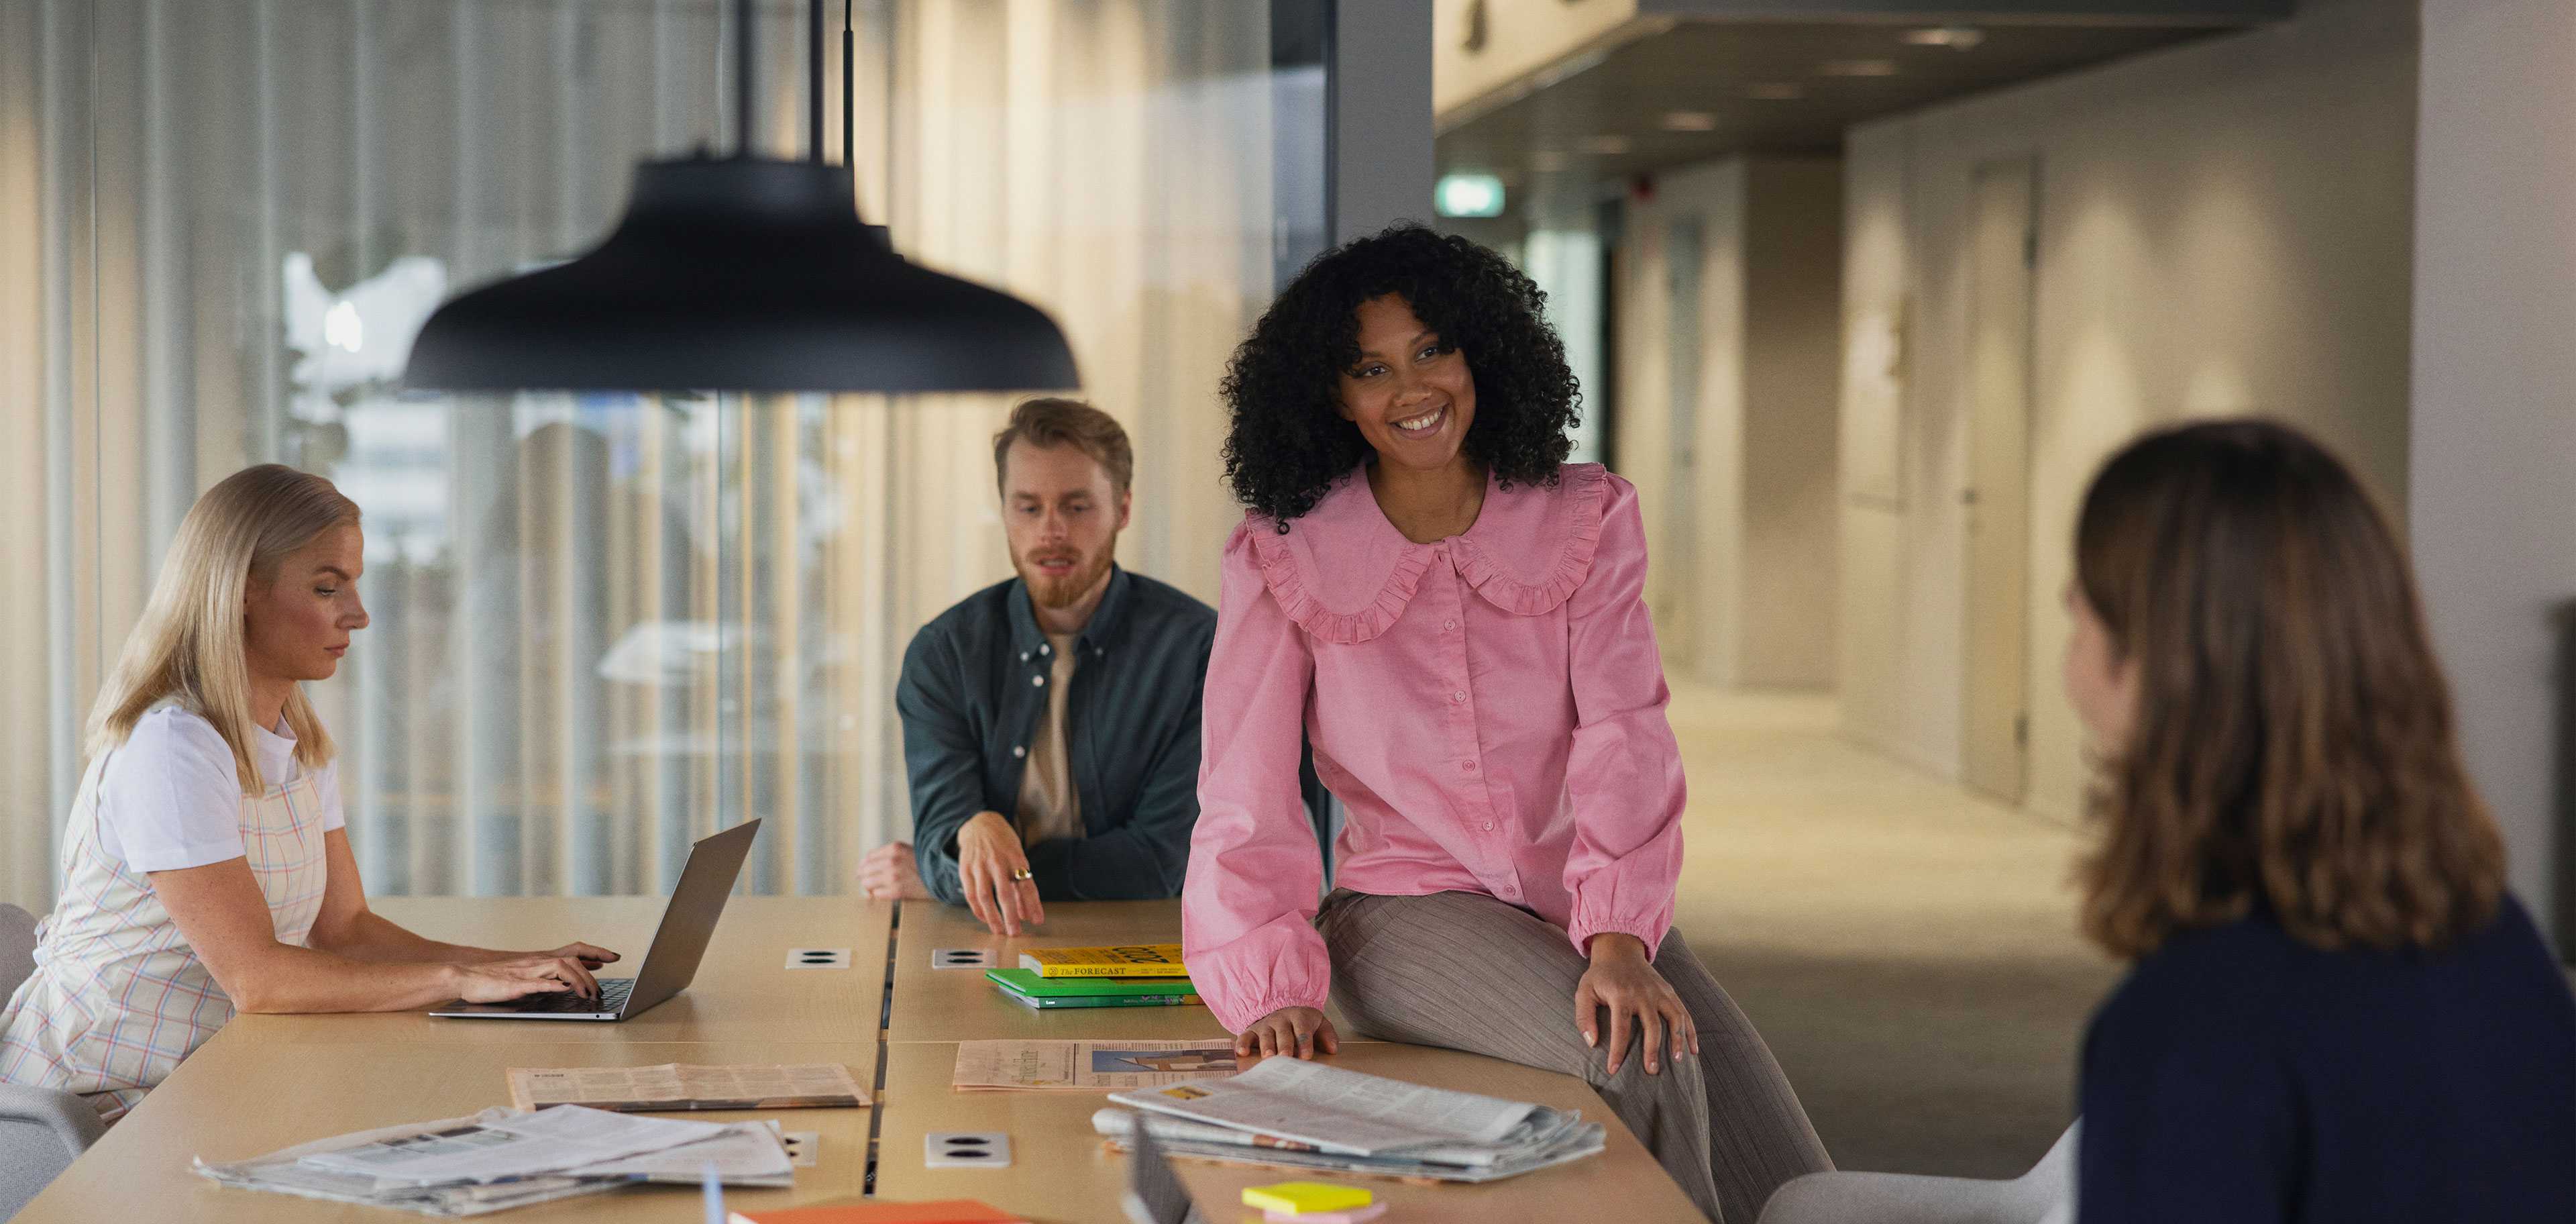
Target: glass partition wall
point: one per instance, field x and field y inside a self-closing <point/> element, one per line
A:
<point x="603" y="624"/>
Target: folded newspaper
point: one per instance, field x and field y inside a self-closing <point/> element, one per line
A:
<point x="1292" y="1114"/>
<point x="504" y="1158"/>
<point x="681" y="1086"/>
<point x="1099" y="1066"/>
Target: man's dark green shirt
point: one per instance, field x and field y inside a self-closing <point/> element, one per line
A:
<point x="970" y="699"/>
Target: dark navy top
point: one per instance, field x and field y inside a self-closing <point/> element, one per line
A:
<point x="2239" y="1075"/>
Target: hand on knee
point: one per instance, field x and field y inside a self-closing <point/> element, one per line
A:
<point x="1622" y="992"/>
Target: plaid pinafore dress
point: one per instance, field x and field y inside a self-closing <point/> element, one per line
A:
<point x="118" y="997"/>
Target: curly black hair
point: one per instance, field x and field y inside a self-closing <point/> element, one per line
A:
<point x="1288" y="442"/>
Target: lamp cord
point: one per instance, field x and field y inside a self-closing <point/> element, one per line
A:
<point x="849" y="91"/>
<point x="742" y="91"/>
<point x="814" y="81"/>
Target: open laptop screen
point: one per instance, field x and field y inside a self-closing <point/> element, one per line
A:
<point x="689" y="921"/>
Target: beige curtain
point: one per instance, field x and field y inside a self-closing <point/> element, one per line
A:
<point x="604" y="625"/>
<point x="1112" y="162"/>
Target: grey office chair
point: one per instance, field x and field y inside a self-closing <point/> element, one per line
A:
<point x="41" y="1130"/>
<point x="2045" y="1195"/>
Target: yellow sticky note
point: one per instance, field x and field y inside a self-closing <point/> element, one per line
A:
<point x="1300" y="1197"/>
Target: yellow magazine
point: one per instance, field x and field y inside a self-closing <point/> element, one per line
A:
<point x="1134" y="960"/>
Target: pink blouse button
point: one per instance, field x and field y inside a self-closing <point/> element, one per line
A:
<point x="1448" y="624"/>
<point x="1458" y="698"/>
<point x="1466" y="767"/>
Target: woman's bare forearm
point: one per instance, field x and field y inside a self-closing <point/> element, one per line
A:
<point x="285" y="979"/>
<point x="373" y="937"/>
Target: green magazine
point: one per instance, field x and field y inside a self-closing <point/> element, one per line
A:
<point x="1045" y="1004"/>
<point x="1027" y="982"/>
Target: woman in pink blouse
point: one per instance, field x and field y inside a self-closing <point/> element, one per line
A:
<point x="1451" y="615"/>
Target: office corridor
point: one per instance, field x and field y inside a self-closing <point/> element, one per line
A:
<point x="1907" y="948"/>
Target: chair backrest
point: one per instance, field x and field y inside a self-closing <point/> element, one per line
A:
<point x="2044" y="1195"/>
<point x="17" y="948"/>
<point x="2051" y="1182"/>
<point x="41" y="1130"/>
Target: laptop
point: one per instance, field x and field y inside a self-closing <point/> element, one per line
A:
<point x="1154" y="1194"/>
<point x="688" y="922"/>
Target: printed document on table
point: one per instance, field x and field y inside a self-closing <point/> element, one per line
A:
<point x="518" y="1145"/>
<point x="744" y="1153"/>
<point x="283" y="1172"/>
<point x="679" y="1086"/>
<point x="1336" y="1110"/>
<point x="1549" y="1138"/>
<point x="1099" y="1066"/>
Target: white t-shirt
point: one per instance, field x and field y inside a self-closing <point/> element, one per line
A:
<point x="169" y="798"/>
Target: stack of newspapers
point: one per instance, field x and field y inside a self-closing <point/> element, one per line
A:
<point x="503" y="1158"/>
<point x="1290" y="1114"/>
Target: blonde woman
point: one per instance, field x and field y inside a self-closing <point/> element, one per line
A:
<point x="205" y="869"/>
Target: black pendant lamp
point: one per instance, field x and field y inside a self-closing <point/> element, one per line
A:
<point x="742" y="274"/>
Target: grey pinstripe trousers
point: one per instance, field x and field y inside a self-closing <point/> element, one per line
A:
<point x="1467" y="972"/>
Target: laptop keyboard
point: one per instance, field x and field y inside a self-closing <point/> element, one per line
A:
<point x="612" y="998"/>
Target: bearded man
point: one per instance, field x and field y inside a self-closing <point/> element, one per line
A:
<point x="1051" y="722"/>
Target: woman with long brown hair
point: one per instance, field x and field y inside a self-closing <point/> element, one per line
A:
<point x="2336" y="1011"/>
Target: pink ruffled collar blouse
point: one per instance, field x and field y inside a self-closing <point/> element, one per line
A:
<point x="1489" y="708"/>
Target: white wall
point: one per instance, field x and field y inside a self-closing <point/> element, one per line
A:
<point x="2494" y="464"/>
<point x="2224" y="227"/>
<point x="1792" y="257"/>
<point x="1751" y="601"/>
<point x="1692" y="595"/>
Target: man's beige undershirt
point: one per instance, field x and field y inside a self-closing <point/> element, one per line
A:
<point x="1050" y="808"/>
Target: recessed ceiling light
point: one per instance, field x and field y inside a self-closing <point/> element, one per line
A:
<point x="1858" y="68"/>
<point x="1549" y="161"/>
<point x="1689" y="121"/>
<point x="1604" y="146"/>
<point x="1775" y="91"/>
<point x="1468" y="195"/>
<point x="1956" y="38"/>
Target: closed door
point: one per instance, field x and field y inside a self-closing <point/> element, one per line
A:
<point x="2002" y="259"/>
<point x="1681" y="499"/>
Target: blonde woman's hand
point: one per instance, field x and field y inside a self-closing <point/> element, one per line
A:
<point x="591" y="956"/>
<point x="1298" y="1031"/>
<point x="503" y="980"/>
<point x="1624" y="983"/>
